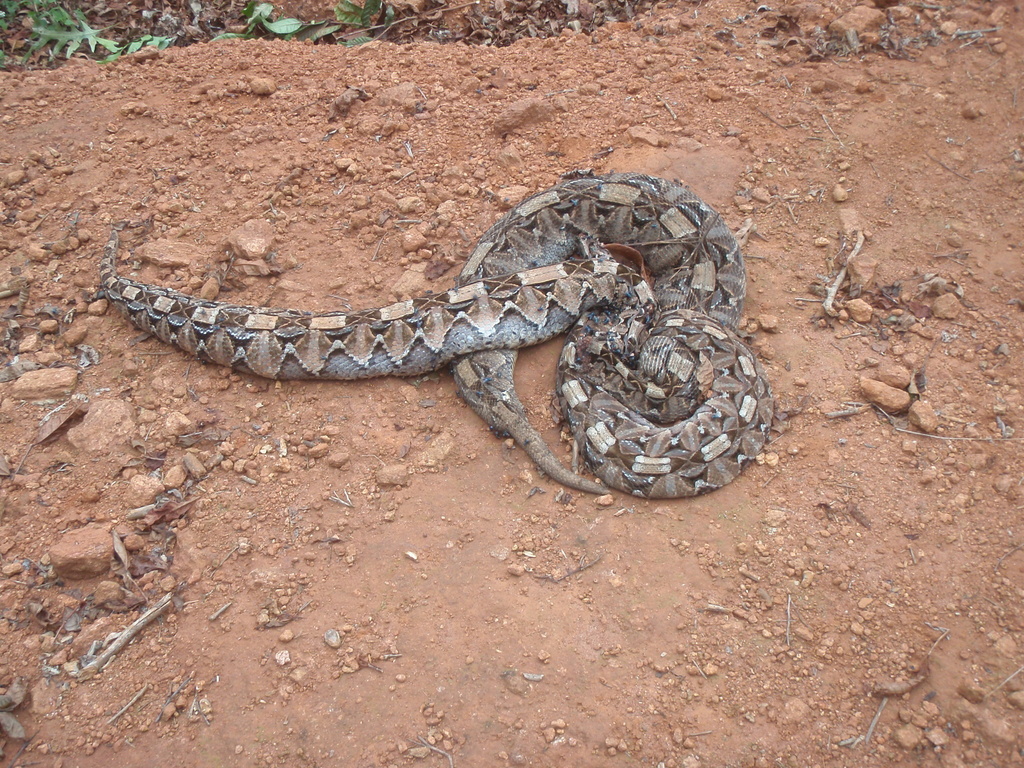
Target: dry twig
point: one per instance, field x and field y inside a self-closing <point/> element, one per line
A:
<point x="124" y="638"/>
<point x="999" y="562"/>
<point x="428" y="745"/>
<point x="874" y="721"/>
<point x="138" y="695"/>
<point x="578" y="569"/>
<point x="1019" y="670"/>
<point x="830" y="310"/>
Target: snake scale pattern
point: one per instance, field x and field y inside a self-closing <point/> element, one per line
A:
<point x="663" y="398"/>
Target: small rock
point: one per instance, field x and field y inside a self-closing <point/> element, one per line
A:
<point x="210" y="290"/>
<point x="907" y="736"/>
<point x="937" y="737"/>
<point x="36" y="252"/>
<point x="436" y="452"/>
<point x="1016" y="699"/>
<point x="45" y="697"/>
<point x="768" y="323"/>
<point x="45" y="384"/>
<point x="515" y="684"/>
<point x="262" y="86"/>
<point x="1006" y="647"/>
<point x="522" y="114"/>
<point x="413" y="240"/>
<point x="971" y="691"/>
<point x="605" y="501"/>
<point x="338" y="459"/>
<point x="143" y="489"/>
<point x="410" y="205"/>
<point x="861" y="270"/>
<point x="893" y="375"/>
<point x="889" y="399"/>
<point x="75" y="335"/>
<point x="407" y="96"/>
<point x="107" y="424"/>
<point x="253" y="240"/>
<point x="392" y="476"/>
<point x="332" y="638"/>
<point x="177" y="423"/>
<point x="193" y="466"/>
<point x="13" y="178"/>
<point x="861" y="19"/>
<point x="175" y="476"/>
<point x="996" y="730"/>
<point x="30" y="344"/>
<point x="640" y="134"/>
<point x="795" y="711"/>
<point x="922" y="417"/>
<point x="1004" y="484"/>
<point x="714" y="93"/>
<point x="840" y="194"/>
<point x="860" y="311"/>
<point x="411" y="283"/>
<point x="107" y="592"/>
<point x="971" y="112"/>
<point x="168" y="254"/>
<point x="509" y="157"/>
<point x="946" y="307"/>
<point x="83" y="553"/>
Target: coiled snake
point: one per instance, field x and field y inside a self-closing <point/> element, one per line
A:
<point x="662" y="397"/>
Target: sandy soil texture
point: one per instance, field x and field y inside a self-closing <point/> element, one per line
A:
<point x="360" y="574"/>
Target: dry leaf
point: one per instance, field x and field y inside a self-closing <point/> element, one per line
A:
<point x="119" y="549"/>
<point x="14" y="696"/>
<point x="11" y="727"/>
<point x="257" y="268"/>
<point x="167" y="512"/>
<point x="60" y="416"/>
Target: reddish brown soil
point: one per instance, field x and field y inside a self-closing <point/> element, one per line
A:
<point x="760" y="625"/>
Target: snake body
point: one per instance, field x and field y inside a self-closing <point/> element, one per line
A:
<point x="662" y="397"/>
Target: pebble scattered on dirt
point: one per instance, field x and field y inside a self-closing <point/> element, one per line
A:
<point x="361" y="569"/>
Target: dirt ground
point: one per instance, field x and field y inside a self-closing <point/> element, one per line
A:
<point x="365" y="576"/>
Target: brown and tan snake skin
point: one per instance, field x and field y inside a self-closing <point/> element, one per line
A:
<point x="663" y="398"/>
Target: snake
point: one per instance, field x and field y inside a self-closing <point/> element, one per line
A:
<point x="662" y="397"/>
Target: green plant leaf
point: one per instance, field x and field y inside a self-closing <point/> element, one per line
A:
<point x="283" y="27"/>
<point x="136" y="45"/>
<point x="350" y="13"/>
<point x="317" y="30"/>
<point x="257" y="12"/>
<point x="65" y="34"/>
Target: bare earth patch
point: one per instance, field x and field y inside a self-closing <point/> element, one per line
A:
<point x="359" y="573"/>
